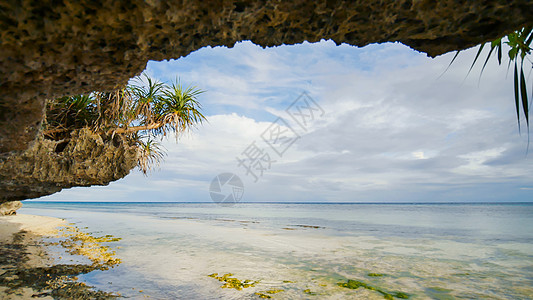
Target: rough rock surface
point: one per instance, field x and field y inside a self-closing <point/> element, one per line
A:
<point x="52" y="48"/>
<point x="48" y="166"/>
<point x="10" y="208"/>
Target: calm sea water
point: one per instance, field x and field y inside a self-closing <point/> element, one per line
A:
<point x="430" y="251"/>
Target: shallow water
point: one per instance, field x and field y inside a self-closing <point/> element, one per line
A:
<point x="438" y="251"/>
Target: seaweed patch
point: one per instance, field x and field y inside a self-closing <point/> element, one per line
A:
<point x="308" y="292"/>
<point x="80" y="243"/>
<point x="233" y="283"/>
<point x="354" y="284"/>
<point x="265" y="293"/>
<point x="59" y="281"/>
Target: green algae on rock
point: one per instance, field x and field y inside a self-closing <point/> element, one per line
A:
<point x="308" y="292"/>
<point x="58" y="281"/>
<point x="81" y="243"/>
<point x="264" y="294"/>
<point x="375" y="275"/>
<point x="233" y="283"/>
<point x="354" y="284"/>
<point x="274" y="291"/>
<point x="439" y="293"/>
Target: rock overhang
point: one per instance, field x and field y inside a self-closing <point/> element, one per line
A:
<point x="54" y="48"/>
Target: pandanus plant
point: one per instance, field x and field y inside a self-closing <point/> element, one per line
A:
<point x="520" y="47"/>
<point x="161" y="109"/>
<point x="142" y="111"/>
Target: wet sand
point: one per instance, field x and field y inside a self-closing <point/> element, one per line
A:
<point x="31" y="264"/>
<point x="21" y="248"/>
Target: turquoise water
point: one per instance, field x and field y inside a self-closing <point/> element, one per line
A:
<point x="437" y="251"/>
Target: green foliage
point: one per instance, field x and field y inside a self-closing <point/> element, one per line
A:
<point x="141" y="111"/>
<point x="520" y="49"/>
<point x="68" y="112"/>
<point x="150" y="154"/>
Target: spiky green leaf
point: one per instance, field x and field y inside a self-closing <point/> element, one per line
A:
<point x="475" y="59"/>
<point x="516" y="95"/>
<point x="523" y="94"/>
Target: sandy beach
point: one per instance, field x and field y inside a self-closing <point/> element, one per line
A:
<point x="21" y="248"/>
<point x="37" y="225"/>
<point x="43" y="256"/>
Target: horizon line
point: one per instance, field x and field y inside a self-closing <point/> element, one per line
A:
<point x="279" y="202"/>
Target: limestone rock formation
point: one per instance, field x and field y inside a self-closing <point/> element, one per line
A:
<point x="9" y="208"/>
<point x="84" y="159"/>
<point x="54" y="48"/>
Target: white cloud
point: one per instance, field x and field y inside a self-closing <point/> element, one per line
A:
<point x="393" y="129"/>
<point x="419" y="155"/>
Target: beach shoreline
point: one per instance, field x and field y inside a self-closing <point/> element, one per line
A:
<point x="31" y="263"/>
<point x="36" y="225"/>
<point x="203" y="251"/>
<point x="22" y="247"/>
<point x="43" y="256"/>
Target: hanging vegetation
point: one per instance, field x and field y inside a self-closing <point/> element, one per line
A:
<point x="144" y="111"/>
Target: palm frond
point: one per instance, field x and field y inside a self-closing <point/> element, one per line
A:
<point x="523" y="94"/>
<point x="150" y="154"/>
<point x="516" y="95"/>
<point x="520" y="48"/>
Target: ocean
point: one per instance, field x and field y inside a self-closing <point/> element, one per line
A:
<point x="309" y="251"/>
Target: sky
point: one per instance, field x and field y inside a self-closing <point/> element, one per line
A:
<point x="326" y="123"/>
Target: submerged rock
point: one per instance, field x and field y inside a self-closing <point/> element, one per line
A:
<point x="355" y="284"/>
<point x="232" y="282"/>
